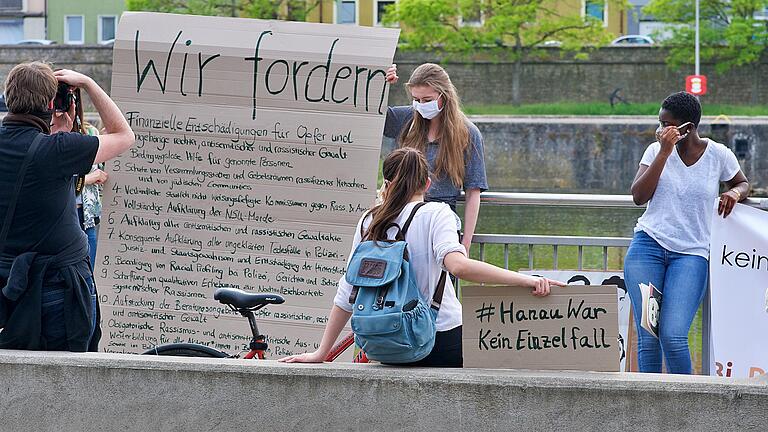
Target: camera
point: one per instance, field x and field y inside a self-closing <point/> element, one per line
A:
<point x="64" y="98"/>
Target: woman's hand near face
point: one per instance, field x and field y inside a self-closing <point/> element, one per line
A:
<point x="392" y="74"/>
<point x="668" y="138"/>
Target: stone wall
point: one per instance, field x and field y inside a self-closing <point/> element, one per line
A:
<point x="486" y="79"/>
<point x="596" y="155"/>
<point x="640" y="73"/>
<point x="95" y="61"/>
<point x="48" y="391"/>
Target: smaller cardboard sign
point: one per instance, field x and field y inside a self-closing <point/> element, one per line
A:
<point x="574" y="328"/>
<point x="591" y="277"/>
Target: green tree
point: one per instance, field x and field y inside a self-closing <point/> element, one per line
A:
<point x="291" y="10"/>
<point x="730" y="35"/>
<point x="517" y="28"/>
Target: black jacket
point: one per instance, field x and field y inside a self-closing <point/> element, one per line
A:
<point x="21" y="299"/>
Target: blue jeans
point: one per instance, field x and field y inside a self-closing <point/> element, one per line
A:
<point x="53" y="323"/>
<point x="682" y="279"/>
<point x="92" y="233"/>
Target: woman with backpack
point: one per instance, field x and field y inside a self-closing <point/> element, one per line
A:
<point x="433" y="247"/>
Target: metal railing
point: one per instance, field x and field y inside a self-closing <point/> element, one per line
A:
<point x="578" y="200"/>
<point x="563" y="200"/>
<point x="582" y="201"/>
<point x="555" y="241"/>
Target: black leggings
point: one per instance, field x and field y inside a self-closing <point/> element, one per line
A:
<point x="446" y="353"/>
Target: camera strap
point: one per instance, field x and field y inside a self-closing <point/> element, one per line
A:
<point x="17" y="189"/>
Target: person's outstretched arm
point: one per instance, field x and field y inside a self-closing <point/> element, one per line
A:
<point x="119" y="136"/>
<point x="477" y="271"/>
<point x="336" y="322"/>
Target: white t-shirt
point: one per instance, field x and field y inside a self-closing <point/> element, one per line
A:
<point x="433" y="234"/>
<point x="679" y="214"/>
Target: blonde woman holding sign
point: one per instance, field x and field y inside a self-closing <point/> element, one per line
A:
<point x="435" y="125"/>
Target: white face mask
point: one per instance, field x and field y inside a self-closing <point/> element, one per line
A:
<point x="428" y="110"/>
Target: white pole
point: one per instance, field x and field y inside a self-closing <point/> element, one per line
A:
<point x="697" y="37"/>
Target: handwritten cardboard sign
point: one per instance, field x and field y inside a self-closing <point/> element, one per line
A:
<point x="612" y="278"/>
<point x="257" y="146"/>
<point x="574" y="328"/>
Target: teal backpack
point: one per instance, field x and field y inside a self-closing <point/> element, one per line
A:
<point x="391" y="321"/>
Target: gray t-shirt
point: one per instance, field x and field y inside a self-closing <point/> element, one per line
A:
<point x="443" y="189"/>
<point x="679" y="215"/>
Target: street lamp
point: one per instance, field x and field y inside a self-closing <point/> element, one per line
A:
<point x="697" y="38"/>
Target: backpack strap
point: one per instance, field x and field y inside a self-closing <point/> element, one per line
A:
<point x="402" y="231"/>
<point x="437" y="299"/>
<point x="17" y="189"/>
<point x="362" y="224"/>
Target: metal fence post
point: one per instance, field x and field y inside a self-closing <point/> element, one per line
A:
<point x="706" y="330"/>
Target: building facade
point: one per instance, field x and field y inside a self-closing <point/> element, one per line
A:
<point x="355" y="12"/>
<point x="83" y="22"/>
<point x="21" y="19"/>
<point x="370" y="12"/>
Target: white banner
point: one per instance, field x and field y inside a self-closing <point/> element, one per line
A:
<point x="594" y="277"/>
<point x="738" y="268"/>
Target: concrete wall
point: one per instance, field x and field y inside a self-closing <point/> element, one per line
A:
<point x="97" y="392"/>
<point x="596" y="155"/>
<point x="486" y="79"/>
<point x="95" y="61"/>
<point x="639" y="71"/>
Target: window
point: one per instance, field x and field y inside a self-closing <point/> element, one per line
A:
<point x="74" y="29"/>
<point x="595" y="9"/>
<point x="346" y="12"/>
<point x="11" y="31"/>
<point x="107" y="25"/>
<point x="381" y="8"/>
<point x="472" y="21"/>
<point x="472" y="18"/>
<point x="11" y="5"/>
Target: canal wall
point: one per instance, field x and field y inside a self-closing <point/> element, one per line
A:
<point x="54" y="391"/>
<point x="640" y="74"/>
<point x="597" y="154"/>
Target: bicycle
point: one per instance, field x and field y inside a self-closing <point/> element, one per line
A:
<point x="246" y="304"/>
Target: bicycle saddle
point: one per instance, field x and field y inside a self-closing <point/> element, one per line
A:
<point x="240" y="299"/>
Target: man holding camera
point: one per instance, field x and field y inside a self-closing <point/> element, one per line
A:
<point x="47" y="297"/>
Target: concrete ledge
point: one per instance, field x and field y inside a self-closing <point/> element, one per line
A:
<point x="96" y="392"/>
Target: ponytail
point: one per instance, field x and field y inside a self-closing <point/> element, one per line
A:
<point x="406" y="171"/>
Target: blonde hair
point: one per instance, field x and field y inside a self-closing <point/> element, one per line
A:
<point x="453" y="134"/>
<point x="30" y="87"/>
